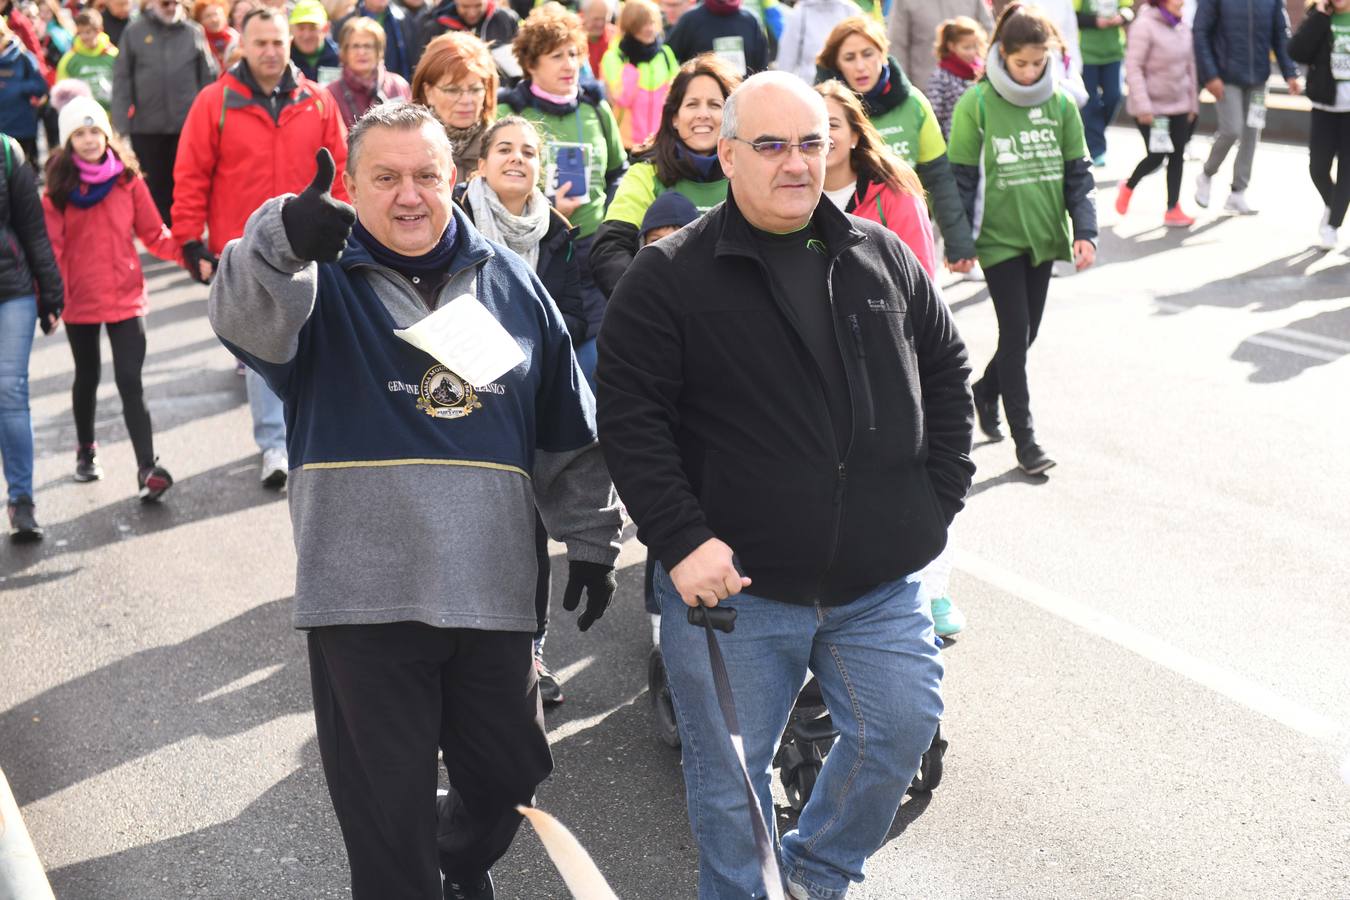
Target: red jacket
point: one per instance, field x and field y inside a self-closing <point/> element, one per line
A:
<point x="97" y="253"/>
<point x="906" y="215"/>
<point x="232" y="156"/>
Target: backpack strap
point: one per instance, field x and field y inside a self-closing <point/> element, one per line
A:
<point x="9" y="156"/>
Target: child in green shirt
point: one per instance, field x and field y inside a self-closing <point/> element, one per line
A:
<point x="1021" y="166"/>
<point x="91" y="58"/>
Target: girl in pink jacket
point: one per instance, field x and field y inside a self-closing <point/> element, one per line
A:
<point x="96" y="204"/>
<point x="638" y="69"/>
<point x="1164" y="100"/>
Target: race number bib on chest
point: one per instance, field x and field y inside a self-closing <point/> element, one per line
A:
<point x="731" y="50"/>
<point x="1340" y="46"/>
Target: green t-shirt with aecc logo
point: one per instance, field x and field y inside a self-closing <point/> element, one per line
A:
<point x="640" y="188"/>
<point x="911" y="130"/>
<point x="1021" y="153"/>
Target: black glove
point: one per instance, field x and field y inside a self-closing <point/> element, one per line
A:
<point x="600" y="585"/>
<point x="48" y="315"/>
<point x="194" y="252"/>
<point x="317" y="225"/>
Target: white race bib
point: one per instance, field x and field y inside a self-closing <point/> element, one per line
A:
<point x="1256" y="111"/>
<point x="1160" y="135"/>
<point x="731" y="50"/>
<point x="467" y="339"/>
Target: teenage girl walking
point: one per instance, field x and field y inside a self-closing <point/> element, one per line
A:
<point x="1322" y="43"/>
<point x="96" y="204"/>
<point x="1164" y="100"/>
<point x="1022" y="168"/>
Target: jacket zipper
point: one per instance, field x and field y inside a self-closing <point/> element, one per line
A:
<point x="856" y="330"/>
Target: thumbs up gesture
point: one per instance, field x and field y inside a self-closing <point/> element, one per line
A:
<point x="317" y="225"/>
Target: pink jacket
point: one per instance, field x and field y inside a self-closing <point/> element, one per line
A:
<point x="1160" y="67"/>
<point x="906" y="215"/>
<point x="96" y="251"/>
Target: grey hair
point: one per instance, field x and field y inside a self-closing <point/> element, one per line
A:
<point x="785" y="80"/>
<point x="397" y="114"/>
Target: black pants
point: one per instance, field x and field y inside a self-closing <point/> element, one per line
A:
<point x="1181" y="128"/>
<point x="1018" y="290"/>
<point x="385" y="698"/>
<point x="156" y="153"/>
<point x="1328" y="142"/>
<point x="128" y="351"/>
<point x="544" y="581"/>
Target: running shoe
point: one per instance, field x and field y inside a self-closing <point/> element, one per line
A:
<point x="23" y="526"/>
<point x="1033" y="459"/>
<point x="1237" y="203"/>
<point x="986" y="413"/>
<point x="550" y="689"/>
<point x="1203" y="183"/>
<point x="1327" y="238"/>
<point x="1176" y="218"/>
<point x="947" y="618"/>
<point x="86" y="464"/>
<point x="153" y="481"/>
<point x="479" y="888"/>
<point x="1123" y="198"/>
<point x="275" y="466"/>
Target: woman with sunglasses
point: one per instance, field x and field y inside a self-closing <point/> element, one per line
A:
<point x="457" y="79"/>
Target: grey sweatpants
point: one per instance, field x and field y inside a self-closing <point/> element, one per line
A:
<point x="1232" y="113"/>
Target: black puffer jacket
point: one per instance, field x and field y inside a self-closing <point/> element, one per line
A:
<point x="714" y="419"/>
<point x="1311" y="45"/>
<point x="557" y="267"/>
<point x="25" y="251"/>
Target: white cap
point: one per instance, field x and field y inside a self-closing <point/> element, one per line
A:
<point x="80" y="112"/>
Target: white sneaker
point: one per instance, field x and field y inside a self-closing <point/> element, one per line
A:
<point x="1326" y="217"/>
<point x="1202" y="185"/>
<point x="656" y="629"/>
<point x="275" y="466"/>
<point x="1237" y="203"/>
<point x="1327" y="239"/>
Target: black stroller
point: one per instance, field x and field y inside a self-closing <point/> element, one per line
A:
<point x="806" y="741"/>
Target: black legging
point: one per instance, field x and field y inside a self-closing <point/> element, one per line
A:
<point x="1181" y="127"/>
<point x="128" y="349"/>
<point x="542" y="581"/>
<point x="1018" y="290"/>
<point x="1329" y="141"/>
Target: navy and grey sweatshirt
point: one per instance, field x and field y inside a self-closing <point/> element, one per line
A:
<point x="412" y="493"/>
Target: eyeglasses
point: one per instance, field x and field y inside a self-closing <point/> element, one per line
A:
<point x="809" y="149"/>
<point x="454" y="92"/>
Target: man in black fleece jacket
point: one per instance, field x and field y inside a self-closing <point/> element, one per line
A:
<point x="783" y="408"/>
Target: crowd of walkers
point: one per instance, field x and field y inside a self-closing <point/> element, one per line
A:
<point x="518" y="158"/>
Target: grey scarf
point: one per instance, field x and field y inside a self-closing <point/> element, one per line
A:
<point x="1024" y="95"/>
<point x="497" y="223"/>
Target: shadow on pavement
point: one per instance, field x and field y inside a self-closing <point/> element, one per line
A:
<point x="61" y="381"/>
<point x="148" y="700"/>
<point x="1278" y="284"/>
<point x="1012" y="476"/>
<point x="1283" y="353"/>
<point x="220" y="491"/>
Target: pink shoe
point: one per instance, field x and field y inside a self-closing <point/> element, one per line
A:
<point x="1175" y="218"/>
<point x="1123" y="198"/>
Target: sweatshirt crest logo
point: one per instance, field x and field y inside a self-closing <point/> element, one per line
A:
<point x="445" y="395"/>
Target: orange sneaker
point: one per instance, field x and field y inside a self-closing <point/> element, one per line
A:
<point x="1175" y="218"/>
<point x="1123" y="198"/>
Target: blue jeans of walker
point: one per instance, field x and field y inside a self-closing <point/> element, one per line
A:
<point x="18" y="318"/>
<point x="1103" y="90"/>
<point x="269" y="414"/>
<point x="879" y="671"/>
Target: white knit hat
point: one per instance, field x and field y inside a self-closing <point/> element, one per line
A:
<point x="79" y="112"/>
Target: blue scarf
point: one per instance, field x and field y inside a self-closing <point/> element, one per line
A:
<point x="87" y="195"/>
<point x="881" y="87"/>
<point x="707" y="166"/>
<point x="432" y="266"/>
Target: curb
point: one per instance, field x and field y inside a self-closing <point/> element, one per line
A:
<point x="21" y="873"/>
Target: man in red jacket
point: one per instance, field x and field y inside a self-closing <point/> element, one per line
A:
<point x="249" y="137"/>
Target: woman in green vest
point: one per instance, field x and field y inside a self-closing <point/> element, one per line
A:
<point x="681" y="156"/>
<point x="584" y="156"/>
<point x="855" y="53"/>
<point x="1021" y="162"/>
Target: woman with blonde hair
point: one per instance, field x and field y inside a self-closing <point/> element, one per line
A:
<point x="856" y="55"/>
<point x="638" y="70"/>
<point x="457" y="79"/>
<point x="364" y="81"/>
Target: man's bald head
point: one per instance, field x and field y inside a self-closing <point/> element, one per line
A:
<point x="770" y="88"/>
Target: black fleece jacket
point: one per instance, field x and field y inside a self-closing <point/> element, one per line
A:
<point x="25" y="252"/>
<point x="713" y="419"/>
<point x="1311" y="45"/>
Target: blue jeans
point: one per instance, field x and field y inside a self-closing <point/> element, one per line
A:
<point x="586" y="357"/>
<point x="879" y="671"/>
<point x="269" y="415"/>
<point x="1103" y="90"/>
<point x="18" y="317"/>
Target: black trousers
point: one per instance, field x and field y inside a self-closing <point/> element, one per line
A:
<point x="156" y="153"/>
<point x="385" y="698"/>
<point x="1328" y="142"/>
<point x="1018" y="290"/>
<point x="128" y="350"/>
<point x="1181" y="128"/>
<point x="544" y="581"/>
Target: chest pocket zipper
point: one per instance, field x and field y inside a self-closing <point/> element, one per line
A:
<point x="860" y="352"/>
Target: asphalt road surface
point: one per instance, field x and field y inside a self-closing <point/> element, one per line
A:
<point x="1152" y="698"/>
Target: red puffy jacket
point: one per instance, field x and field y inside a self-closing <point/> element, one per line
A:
<point x="906" y="215"/>
<point x="97" y="254"/>
<point x="232" y="156"/>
